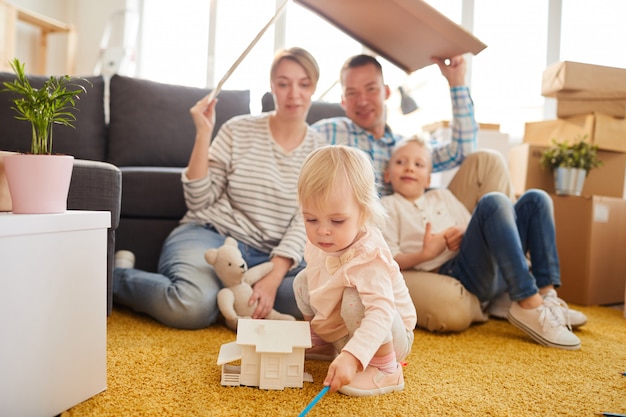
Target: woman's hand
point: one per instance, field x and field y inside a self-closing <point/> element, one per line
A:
<point x="203" y="115"/>
<point x="264" y="293"/>
<point x="264" y="290"/>
<point x="341" y="371"/>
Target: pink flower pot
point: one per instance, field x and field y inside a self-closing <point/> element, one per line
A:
<point x="38" y="184"/>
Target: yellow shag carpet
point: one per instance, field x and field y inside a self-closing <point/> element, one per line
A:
<point x="491" y="369"/>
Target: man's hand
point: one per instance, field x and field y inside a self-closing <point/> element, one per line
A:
<point x="454" y="70"/>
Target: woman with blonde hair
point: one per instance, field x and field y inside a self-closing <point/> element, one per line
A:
<point x="241" y="184"/>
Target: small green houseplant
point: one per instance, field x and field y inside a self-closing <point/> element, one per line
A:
<point x="570" y="164"/>
<point x="579" y="155"/>
<point x="39" y="181"/>
<point x="43" y="107"/>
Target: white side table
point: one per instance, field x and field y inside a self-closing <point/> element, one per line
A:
<point x="52" y="310"/>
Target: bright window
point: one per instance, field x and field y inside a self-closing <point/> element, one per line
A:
<point x="174" y="42"/>
<point x="238" y="23"/>
<point x="330" y="46"/>
<point x="594" y="33"/>
<point x="505" y="77"/>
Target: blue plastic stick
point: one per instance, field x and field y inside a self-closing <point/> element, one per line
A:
<point x="314" y="401"/>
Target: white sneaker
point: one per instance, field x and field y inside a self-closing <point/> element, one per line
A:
<point x="124" y="259"/>
<point x="574" y="318"/>
<point x="545" y="324"/>
<point x="499" y="308"/>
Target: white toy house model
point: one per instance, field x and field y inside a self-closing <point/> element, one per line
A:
<point x="271" y="354"/>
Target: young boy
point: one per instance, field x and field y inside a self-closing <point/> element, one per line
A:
<point x="432" y="231"/>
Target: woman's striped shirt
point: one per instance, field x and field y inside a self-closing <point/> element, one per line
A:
<point x="249" y="192"/>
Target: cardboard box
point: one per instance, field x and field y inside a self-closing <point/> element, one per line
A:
<point x="576" y="80"/>
<point x="576" y="107"/>
<point x="609" y="133"/>
<point x="407" y="33"/>
<point x="526" y="172"/>
<point x="590" y="239"/>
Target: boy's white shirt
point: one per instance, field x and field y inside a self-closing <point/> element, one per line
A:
<point x="406" y="225"/>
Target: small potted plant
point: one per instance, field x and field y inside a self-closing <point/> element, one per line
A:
<point x="570" y="164"/>
<point x="39" y="181"/>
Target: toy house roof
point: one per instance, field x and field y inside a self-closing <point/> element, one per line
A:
<point x="277" y="336"/>
<point x="274" y="336"/>
<point x="229" y="352"/>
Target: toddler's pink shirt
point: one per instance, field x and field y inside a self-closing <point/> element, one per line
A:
<point x="368" y="266"/>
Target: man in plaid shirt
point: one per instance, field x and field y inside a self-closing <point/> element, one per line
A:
<point x="365" y="127"/>
<point x="442" y="303"/>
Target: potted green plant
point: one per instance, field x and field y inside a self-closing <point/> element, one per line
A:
<point x="570" y="164"/>
<point x="39" y="181"/>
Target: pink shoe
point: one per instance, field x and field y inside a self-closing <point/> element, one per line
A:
<point x="374" y="382"/>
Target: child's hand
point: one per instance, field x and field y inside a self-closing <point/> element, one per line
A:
<point x="341" y="371"/>
<point x="434" y="243"/>
<point x="454" y="236"/>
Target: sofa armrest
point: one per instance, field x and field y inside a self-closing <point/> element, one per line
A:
<point x="98" y="186"/>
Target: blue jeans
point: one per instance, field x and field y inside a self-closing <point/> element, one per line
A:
<point x="494" y="247"/>
<point x="183" y="294"/>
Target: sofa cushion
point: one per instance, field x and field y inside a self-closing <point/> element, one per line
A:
<point x="150" y="124"/>
<point x="319" y="109"/>
<point x="152" y="193"/>
<point x="86" y="141"/>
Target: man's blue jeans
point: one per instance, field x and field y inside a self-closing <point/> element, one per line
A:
<point x="183" y="294"/>
<point x="492" y="258"/>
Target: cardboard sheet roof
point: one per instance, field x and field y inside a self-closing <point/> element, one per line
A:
<point x="407" y="33"/>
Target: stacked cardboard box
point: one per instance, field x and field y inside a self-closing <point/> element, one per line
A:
<point x="591" y="105"/>
<point x="585" y="88"/>
<point x="587" y="83"/>
<point x="594" y="97"/>
<point x="590" y="237"/>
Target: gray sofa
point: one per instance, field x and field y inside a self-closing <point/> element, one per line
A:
<point x="131" y="142"/>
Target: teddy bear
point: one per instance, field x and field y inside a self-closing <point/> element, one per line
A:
<point x="233" y="272"/>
